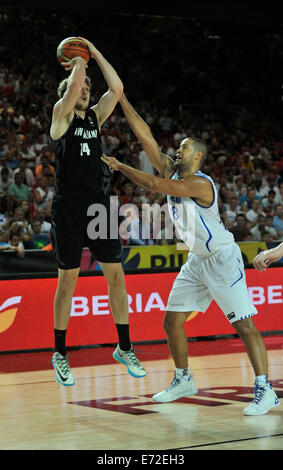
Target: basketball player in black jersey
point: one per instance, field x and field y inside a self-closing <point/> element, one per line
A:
<point x="83" y="179"/>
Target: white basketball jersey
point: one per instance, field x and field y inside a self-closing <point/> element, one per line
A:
<point x="200" y="228"/>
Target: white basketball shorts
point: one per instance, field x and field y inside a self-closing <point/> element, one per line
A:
<point x="220" y="277"/>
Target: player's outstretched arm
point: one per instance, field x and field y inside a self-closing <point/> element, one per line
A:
<point x="163" y="164"/>
<point x="108" y="101"/>
<point x="265" y="258"/>
<point x="192" y="186"/>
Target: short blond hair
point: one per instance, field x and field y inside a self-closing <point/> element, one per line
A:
<point x="63" y="85"/>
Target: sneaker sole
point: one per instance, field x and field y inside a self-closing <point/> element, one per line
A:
<point x="118" y="359"/>
<point x="59" y="381"/>
<point x="181" y="395"/>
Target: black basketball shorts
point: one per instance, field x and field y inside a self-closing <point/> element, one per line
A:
<point x="70" y="230"/>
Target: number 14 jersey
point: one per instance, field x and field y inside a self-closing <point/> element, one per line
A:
<point x="78" y="163"/>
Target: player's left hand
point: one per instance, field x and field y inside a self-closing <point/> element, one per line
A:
<point x="265" y="258"/>
<point x="262" y="260"/>
<point x="111" y="162"/>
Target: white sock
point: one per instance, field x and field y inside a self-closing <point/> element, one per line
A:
<point x="262" y="379"/>
<point x="184" y="373"/>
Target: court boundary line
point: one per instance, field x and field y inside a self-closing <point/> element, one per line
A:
<point x="226" y="442"/>
<point x="108" y="375"/>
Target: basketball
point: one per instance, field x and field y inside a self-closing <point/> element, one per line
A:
<point x="72" y="47"/>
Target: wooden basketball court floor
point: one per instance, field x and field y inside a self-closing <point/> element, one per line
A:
<point x="109" y="410"/>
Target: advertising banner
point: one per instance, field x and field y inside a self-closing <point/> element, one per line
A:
<point x="26" y="310"/>
<point x="134" y="257"/>
<point x="167" y="256"/>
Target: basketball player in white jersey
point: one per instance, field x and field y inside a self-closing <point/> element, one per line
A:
<point x="214" y="269"/>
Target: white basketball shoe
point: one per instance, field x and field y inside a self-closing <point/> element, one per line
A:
<point x="130" y="360"/>
<point x="63" y="372"/>
<point x="179" y="387"/>
<point x="265" y="399"/>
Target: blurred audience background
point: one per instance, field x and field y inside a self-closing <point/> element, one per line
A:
<point x="219" y="81"/>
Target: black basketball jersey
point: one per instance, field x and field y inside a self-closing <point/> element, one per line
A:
<point x="78" y="163"/>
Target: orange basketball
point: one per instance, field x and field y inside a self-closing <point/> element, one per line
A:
<point x="72" y="47"/>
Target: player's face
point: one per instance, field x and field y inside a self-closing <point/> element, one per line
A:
<point x="83" y="101"/>
<point x="184" y="155"/>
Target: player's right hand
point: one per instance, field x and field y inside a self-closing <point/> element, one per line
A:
<point x="71" y="64"/>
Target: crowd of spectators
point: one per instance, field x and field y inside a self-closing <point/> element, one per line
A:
<point x="185" y="78"/>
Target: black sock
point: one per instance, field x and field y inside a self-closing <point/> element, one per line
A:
<point x="60" y="339"/>
<point x="124" y="337"/>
